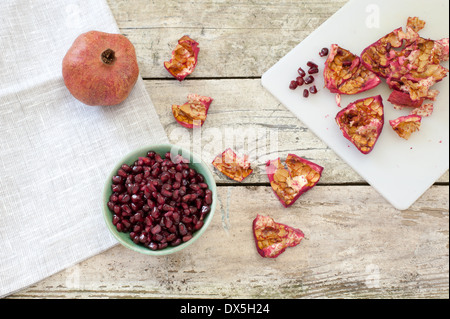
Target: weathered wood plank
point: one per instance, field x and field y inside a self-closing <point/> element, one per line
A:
<point x="244" y="116"/>
<point x="356" y="246"/>
<point x="237" y="38"/>
<point x="223" y="14"/>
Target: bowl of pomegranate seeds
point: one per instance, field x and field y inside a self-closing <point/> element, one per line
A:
<point x="159" y="199"/>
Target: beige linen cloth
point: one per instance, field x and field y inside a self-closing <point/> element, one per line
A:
<point x="55" y="152"/>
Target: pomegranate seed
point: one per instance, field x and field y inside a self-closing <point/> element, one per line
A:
<point x="120" y="227"/>
<point x="115" y="220"/>
<point x="126" y="168"/>
<point x="171" y="237"/>
<point x="200" y="178"/>
<point x="301" y="72"/>
<point x="323" y="52"/>
<point x="186" y="220"/>
<point x="158" y="237"/>
<point x="182" y="229"/>
<point x="117" y="179"/>
<point x="136" y="198"/>
<point x="176" y="218"/>
<point x="346" y="63"/>
<point x="313" y="70"/>
<point x="117" y="188"/>
<point x="176" y="242"/>
<point x="305" y="93"/>
<point x="206" y="209"/>
<point x="312" y="64"/>
<point x="186" y="198"/>
<point x="156" y="229"/>
<point x="198" y="225"/>
<point x="126" y="223"/>
<point x="208" y="199"/>
<point x="300" y="81"/>
<point x="309" y="79"/>
<point x="293" y="85"/>
<point x="125" y="198"/>
<point x="168" y="208"/>
<point x="166" y="193"/>
<point x="313" y="89"/>
<point x="162" y="245"/>
<point x="125" y="208"/>
<point x="388" y="47"/>
<point x="122" y="173"/>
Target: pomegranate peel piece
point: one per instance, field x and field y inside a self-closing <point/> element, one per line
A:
<point x="289" y="184"/>
<point x="232" y="166"/>
<point x="378" y="56"/>
<point x="344" y="73"/>
<point x="404" y="126"/>
<point x="424" y="111"/>
<point x="193" y="112"/>
<point x="403" y="99"/>
<point x="441" y="49"/>
<point x="362" y="121"/>
<point x="409" y="63"/>
<point x="415" y="23"/>
<point x="272" y="238"/>
<point x="184" y="58"/>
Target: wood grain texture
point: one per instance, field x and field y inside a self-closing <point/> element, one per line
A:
<point x="237" y="38"/>
<point x="356" y="246"/>
<point x="245" y="117"/>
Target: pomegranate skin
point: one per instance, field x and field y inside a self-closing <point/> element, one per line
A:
<point x="95" y="82"/>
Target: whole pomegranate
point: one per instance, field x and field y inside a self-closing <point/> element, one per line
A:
<point x="100" y="68"/>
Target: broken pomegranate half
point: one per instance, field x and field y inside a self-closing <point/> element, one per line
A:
<point x="410" y="63"/>
<point x="232" y="166"/>
<point x="344" y="73"/>
<point x="288" y="184"/>
<point x="362" y="121"/>
<point x="273" y="238"/>
<point x="184" y="58"/>
<point x="193" y="112"/>
<point x="404" y="126"/>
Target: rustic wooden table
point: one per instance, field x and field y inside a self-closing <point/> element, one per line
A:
<point x="357" y="245"/>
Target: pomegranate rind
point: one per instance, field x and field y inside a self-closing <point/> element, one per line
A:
<point x="184" y="58"/>
<point x="289" y="184"/>
<point x="234" y="167"/>
<point x="378" y="56"/>
<point x="402" y="99"/>
<point x="272" y="238"/>
<point x="415" y="23"/>
<point x="404" y="126"/>
<point x="193" y="112"/>
<point x="408" y="62"/>
<point x="347" y="79"/>
<point x="361" y="122"/>
<point x="424" y="111"/>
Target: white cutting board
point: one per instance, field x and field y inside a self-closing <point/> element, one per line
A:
<point x="400" y="170"/>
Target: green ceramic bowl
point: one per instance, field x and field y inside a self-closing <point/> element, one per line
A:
<point x="194" y="162"/>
